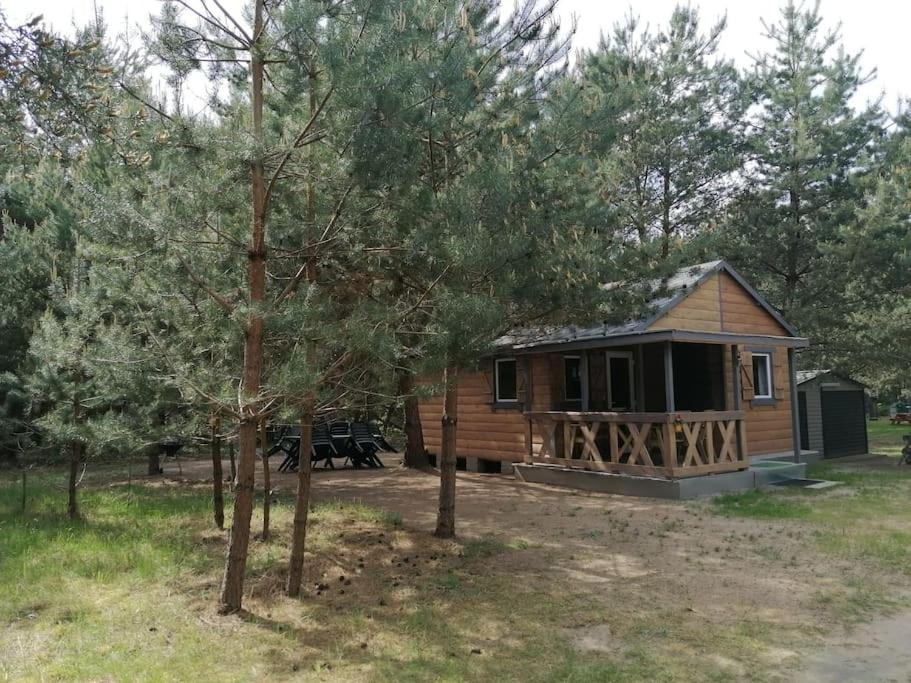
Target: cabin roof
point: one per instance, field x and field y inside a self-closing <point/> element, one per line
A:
<point x="667" y="294"/>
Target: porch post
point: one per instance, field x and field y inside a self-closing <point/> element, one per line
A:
<point x="529" y="442"/>
<point x="640" y="380"/>
<point x="583" y="372"/>
<point x="795" y="405"/>
<point x="668" y="377"/>
<point x="735" y="378"/>
<point x="738" y="401"/>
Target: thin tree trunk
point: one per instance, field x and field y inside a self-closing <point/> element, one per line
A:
<point x="415" y="453"/>
<point x="154" y="461"/>
<point x="233" y="584"/>
<point x="302" y="503"/>
<point x="233" y="462"/>
<point x="267" y="486"/>
<point x="446" y="517"/>
<point x="72" y="508"/>
<point x="305" y="465"/>
<point x="666" y="227"/>
<point x="218" y="498"/>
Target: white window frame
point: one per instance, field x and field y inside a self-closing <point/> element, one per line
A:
<point x="581" y="390"/>
<point x="768" y="374"/>
<point x="496" y="380"/>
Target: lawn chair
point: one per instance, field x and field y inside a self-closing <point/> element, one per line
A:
<point x="289" y="443"/>
<point x="345" y="445"/>
<point x="363" y="438"/>
<point x="323" y="448"/>
<point x="381" y="440"/>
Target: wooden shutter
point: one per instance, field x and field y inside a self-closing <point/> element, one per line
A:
<point x="747" y="390"/>
<point x="780" y="383"/>
<point x="523" y="369"/>
<point x="487" y="368"/>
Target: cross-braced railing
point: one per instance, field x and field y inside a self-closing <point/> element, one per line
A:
<point x="671" y="445"/>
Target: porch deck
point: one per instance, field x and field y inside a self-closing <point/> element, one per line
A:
<point x="670" y="445"/>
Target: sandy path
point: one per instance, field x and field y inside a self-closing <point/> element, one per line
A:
<point x="875" y="652"/>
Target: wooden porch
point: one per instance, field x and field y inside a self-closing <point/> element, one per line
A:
<point x="671" y="445"/>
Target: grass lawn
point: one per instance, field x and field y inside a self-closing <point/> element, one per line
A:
<point x="860" y="521"/>
<point x="885" y="438"/>
<point x="580" y="588"/>
<point x="127" y="593"/>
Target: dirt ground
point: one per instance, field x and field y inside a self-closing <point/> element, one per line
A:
<point x="877" y="651"/>
<point x="666" y="567"/>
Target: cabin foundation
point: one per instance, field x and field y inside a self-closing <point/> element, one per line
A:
<point x="658" y="487"/>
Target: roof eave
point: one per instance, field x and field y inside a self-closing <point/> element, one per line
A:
<point x="656" y="336"/>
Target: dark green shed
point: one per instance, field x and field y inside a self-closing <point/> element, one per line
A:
<point x="833" y="418"/>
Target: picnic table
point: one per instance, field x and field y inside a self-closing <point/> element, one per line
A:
<point x="900" y="418"/>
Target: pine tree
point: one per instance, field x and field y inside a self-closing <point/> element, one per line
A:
<point x="56" y="101"/>
<point x="478" y="184"/>
<point x="809" y="149"/>
<point x="875" y="249"/>
<point x="664" y="138"/>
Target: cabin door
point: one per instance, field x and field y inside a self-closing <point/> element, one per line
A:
<point x="620" y="395"/>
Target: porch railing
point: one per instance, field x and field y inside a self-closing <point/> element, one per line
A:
<point x="671" y="445"/>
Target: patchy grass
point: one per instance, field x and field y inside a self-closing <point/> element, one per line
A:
<point x="885" y="438"/>
<point x="761" y="505"/>
<point x="857" y="600"/>
<point x="593" y="589"/>
<point x="864" y="521"/>
<point x="127" y="593"/>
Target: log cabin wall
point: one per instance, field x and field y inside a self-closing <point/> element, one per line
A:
<point x="484" y="430"/>
<point x="768" y="427"/>
<point x="720" y="304"/>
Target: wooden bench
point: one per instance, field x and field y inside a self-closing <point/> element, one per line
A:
<point x="900" y="418"/>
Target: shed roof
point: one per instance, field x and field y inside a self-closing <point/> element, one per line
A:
<point x="804" y="376"/>
<point x="807" y="375"/>
<point x="667" y="294"/>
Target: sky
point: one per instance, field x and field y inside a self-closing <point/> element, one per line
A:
<point x="878" y="28"/>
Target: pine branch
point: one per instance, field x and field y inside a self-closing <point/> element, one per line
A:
<point x="299" y="275"/>
<point x="298" y="141"/>
<point x="129" y="91"/>
<point x="213" y="22"/>
<point x="226" y="305"/>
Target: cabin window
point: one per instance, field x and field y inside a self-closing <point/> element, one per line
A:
<point x="506" y="384"/>
<point x="762" y="375"/>
<point x="572" y="378"/>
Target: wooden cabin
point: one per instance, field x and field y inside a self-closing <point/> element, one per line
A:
<point x="699" y="385"/>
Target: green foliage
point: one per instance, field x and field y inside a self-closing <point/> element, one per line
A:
<point x="809" y="151"/>
<point x="666" y="128"/>
<point x="877" y="245"/>
<point x="457" y="180"/>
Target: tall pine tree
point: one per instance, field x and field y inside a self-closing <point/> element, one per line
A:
<point x="808" y="149"/>
<point x="665" y="129"/>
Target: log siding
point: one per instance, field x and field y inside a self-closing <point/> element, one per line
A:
<point x="719" y="304"/>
